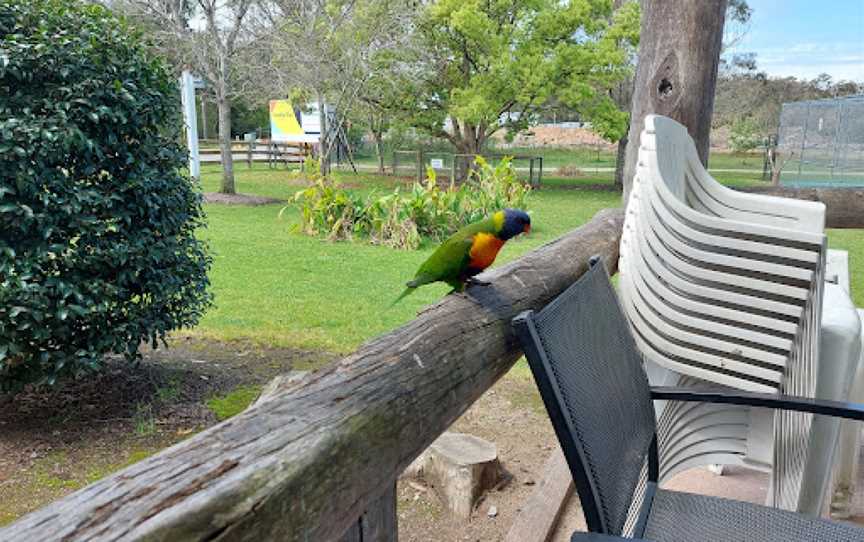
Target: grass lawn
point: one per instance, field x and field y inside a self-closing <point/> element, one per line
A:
<point x="285" y="289"/>
<point x="588" y="157"/>
<point x="285" y="301"/>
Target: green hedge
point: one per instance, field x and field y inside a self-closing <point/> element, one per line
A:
<point x="97" y="218"/>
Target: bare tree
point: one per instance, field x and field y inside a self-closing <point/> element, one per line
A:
<point x="205" y="36"/>
<point x="326" y="50"/>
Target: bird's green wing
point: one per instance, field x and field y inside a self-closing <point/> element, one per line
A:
<point x="451" y="258"/>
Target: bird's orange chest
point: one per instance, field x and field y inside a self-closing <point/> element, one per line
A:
<point x="483" y="251"/>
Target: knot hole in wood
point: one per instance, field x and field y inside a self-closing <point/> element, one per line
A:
<point x="666" y="86"/>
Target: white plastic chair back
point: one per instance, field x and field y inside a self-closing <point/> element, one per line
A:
<point x="724" y="287"/>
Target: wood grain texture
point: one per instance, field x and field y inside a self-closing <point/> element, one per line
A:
<point x="679" y="52"/>
<point x="379" y="523"/>
<point x="304" y="465"/>
<point x="844" y="207"/>
<point x="539" y="515"/>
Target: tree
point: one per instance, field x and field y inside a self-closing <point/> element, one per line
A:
<point x="744" y="135"/>
<point x="206" y="36"/>
<point x="98" y="250"/>
<point x="679" y="52"/>
<point x="481" y="67"/>
<point x="744" y="92"/>
<point x="376" y="121"/>
<point x="326" y="51"/>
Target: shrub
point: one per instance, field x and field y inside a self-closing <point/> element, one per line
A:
<point x="744" y="135"/>
<point x="404" y="220"/>
<point x="97" y="220"/>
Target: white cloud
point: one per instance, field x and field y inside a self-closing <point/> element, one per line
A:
<point x="841" y="60"/>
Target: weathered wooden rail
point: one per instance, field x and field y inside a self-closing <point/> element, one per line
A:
<point x="306" y="464"/>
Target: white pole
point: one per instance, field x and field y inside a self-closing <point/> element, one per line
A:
<point x="190" y="119"/>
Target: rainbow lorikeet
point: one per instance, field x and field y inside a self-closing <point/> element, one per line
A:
<point x="469" y="251"/>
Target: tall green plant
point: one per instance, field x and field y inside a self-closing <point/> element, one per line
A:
<point x="404" y="220"/>
<point x="97" y="221"/>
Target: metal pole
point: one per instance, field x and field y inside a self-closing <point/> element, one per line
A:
<point x="187" y="96"/>
<point x="803" y="139"/>
<point x="840" y="119"/>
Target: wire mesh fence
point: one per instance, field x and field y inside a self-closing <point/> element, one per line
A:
<point x="408" y="164"/>
<point x="455" y="167"/>
<point x="821" y="142"/>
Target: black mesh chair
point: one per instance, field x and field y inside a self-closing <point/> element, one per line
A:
<point x="591" y="378"/>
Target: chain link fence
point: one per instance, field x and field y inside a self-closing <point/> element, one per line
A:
<point x="821" y="142"/>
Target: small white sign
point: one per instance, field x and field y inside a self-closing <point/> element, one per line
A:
<point x="436" y="163"/>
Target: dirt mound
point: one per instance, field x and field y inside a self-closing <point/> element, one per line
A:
<point x="556" y="136"/>
<point x="238" y="199"/>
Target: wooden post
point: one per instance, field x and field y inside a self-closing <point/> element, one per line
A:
<point x="304" y="465"/>
<point x="539" y="515"/>
<point x="540" y="172"/>
<point x="679" y="52"/>
<point x="249" y="157"/>
<point x="379" y="523"/>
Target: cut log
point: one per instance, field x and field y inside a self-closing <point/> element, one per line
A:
<point x="539" y="515"/>
<point x="460" y="467"/>
<point x="844" y="207"/>
<point x="305" y="465"/>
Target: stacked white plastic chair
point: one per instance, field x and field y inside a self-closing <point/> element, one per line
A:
<point x="726" y="288"/>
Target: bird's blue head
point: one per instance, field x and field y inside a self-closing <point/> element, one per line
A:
<point x="515" y="221"/>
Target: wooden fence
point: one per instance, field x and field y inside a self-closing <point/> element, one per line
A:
<point x="259" y="151"/>
<point x="319" y="460"/>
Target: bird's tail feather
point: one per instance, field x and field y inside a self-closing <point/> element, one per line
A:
<point x="404" y="294"/>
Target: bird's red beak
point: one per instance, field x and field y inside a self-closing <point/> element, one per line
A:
<point x="527" y="229"/>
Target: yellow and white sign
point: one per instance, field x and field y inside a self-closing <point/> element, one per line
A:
<point x="290" y="125"/>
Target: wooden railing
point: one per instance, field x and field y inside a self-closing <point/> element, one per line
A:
<point x="260" y="151"/>
<point x="319" y="460"/>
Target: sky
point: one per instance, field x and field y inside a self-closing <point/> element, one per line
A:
<point x="804" y="38"/>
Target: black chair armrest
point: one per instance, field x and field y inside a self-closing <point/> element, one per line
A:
<point x="597" y="537"/>
<point x="837" y="409"/>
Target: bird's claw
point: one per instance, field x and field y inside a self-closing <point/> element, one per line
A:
<point x="473" y="281"/>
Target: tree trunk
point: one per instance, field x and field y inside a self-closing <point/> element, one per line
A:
<point x="679" y="52"/>
<point x="224" y="107"/>
<point x="324" y="154"/>
<point x="203" y="116"/>
<point x="473" y="138"/>
<point x="620" y="161"/>
<point x="379" y="150"/>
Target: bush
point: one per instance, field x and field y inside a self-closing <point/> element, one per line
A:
<point x="404" y="220"/>
<point x="744" y="135"/>
<point x="97" y="220"/>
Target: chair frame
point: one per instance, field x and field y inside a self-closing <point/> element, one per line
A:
<point x="526" y="331"/>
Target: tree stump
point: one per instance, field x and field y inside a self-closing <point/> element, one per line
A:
<point x="460" y="467"/>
